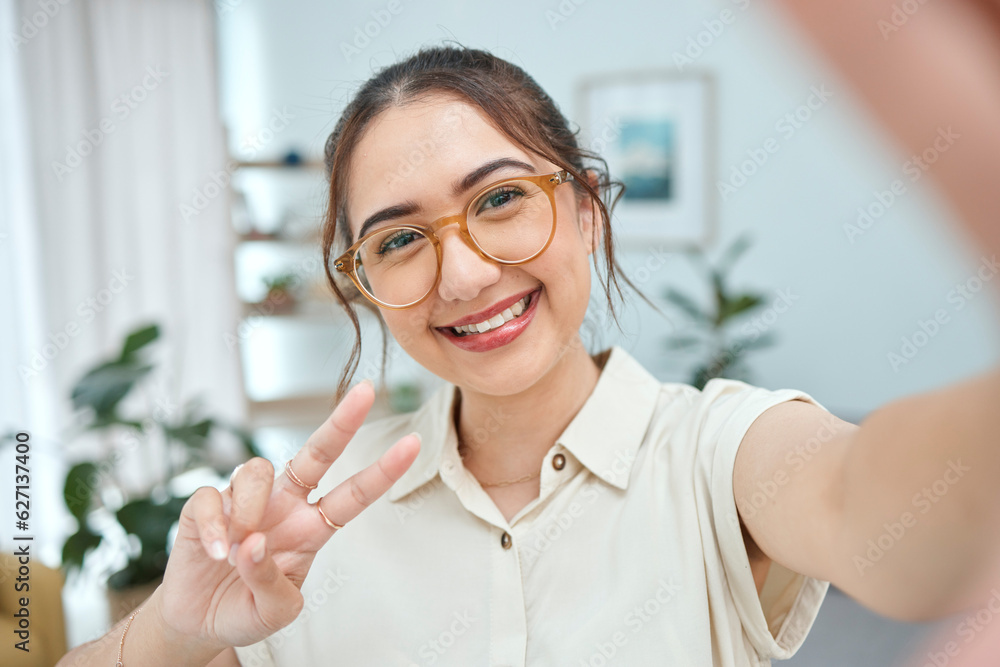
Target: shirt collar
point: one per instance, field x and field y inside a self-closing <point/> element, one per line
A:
<point x="604" y="436"/>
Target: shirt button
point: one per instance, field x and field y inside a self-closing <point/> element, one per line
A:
<point x="505" y="540"/>
<point x="558" y="461"/>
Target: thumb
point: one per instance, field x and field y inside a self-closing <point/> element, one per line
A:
<point x="277" y="599"/>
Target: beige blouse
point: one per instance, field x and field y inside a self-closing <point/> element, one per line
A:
<point x="631" y="555"/>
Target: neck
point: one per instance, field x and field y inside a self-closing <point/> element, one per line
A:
<point x="507" y="437"/>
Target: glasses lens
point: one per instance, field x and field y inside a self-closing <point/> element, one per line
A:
<point x="513" y="221"/>
<point x="397" y="266"/>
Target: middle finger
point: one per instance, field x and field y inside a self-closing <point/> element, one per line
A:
<point x="327" y="443"/>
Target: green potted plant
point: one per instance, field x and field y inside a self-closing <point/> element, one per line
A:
<point x="108" y="516"/>
<point x="711" y="333"/>
<point x="280" y="292"/>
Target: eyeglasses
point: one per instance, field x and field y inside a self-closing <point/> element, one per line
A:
<point x="509" y="222"/>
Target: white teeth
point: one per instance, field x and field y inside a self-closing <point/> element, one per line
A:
<point x="497" y="320"/>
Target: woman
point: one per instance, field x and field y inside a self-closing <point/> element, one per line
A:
<point x="547" y="507"/>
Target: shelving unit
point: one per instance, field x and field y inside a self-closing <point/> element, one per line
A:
<point x="292" y="341"/>
<point x="292" y="356"/>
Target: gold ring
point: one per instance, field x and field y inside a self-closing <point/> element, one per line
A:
<point x="326" y="518"/>
<point x="295" y="478"/>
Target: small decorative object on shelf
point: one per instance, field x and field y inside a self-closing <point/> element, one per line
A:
<point x="709" y="332"/>
<point x="280" y="293"/>
<point x="257" y="235"/>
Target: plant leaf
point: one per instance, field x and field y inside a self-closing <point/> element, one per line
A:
<point x="739" y="304"/>
<point x="683" y="342"/>
<point x="78" y="492"/>
<point x="77" y="546"/>
<point x="139" y="339"/>
<point x="191" y="435"/>
<point x="688" y="305"/>
<point x="103" y="387"/>
<point x="734" y="251"/>
<point x="759" y="343"/>
<point x="150" y="521"/>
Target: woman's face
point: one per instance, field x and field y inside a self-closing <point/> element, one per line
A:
<point x="430" y="155"/>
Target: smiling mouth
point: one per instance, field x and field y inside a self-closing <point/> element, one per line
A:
<point x="498" y="320"/>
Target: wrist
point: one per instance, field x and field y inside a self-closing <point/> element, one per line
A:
<point x="185" y="648"/>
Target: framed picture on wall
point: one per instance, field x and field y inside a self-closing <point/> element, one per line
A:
<point x="656" y="131"/>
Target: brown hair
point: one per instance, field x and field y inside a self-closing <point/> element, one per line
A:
<point x="516" y="105"/>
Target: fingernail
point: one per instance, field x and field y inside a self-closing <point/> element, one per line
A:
<point x="218" y="550"/>
<point x="257" y="553"/>
<point x="368" y="381"/>
<point x="232" y="553"/>
<point x="417" y="436"/>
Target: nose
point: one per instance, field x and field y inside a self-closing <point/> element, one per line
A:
<point x="464" y="272"/>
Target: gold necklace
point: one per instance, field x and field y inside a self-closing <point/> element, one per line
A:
<point x="461" y="453"/>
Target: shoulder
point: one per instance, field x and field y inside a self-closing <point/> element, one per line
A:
<point x="710" y="424"/>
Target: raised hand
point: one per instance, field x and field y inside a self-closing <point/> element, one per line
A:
<point x="241" y="556"/>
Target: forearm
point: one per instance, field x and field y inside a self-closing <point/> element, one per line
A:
<point x="921" y="502"/>
<point x="148" y="643"/>
<point x="921" y="72"/>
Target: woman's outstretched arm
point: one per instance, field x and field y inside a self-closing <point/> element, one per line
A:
<point x="903" y="512"/>
<point x="928" y="67"/>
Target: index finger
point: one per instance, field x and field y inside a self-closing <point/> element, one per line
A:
<point x="327" y="443"/>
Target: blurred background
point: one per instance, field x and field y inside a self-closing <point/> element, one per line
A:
<point x="164" y="308"/>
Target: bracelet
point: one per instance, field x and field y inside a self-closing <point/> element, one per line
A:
<point x="121" y="646"/>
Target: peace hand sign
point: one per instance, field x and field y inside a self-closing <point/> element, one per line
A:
<point x="241" y="556"/>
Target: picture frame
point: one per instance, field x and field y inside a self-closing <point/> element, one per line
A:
<point x="656" y="129"/>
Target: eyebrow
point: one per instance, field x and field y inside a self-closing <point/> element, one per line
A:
<point x="476" y="175"/>
<point x="459" y="187"/>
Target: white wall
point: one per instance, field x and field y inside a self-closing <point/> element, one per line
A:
<point x="856" y="300"/>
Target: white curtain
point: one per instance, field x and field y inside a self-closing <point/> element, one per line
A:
<point x="113" y="214"/>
